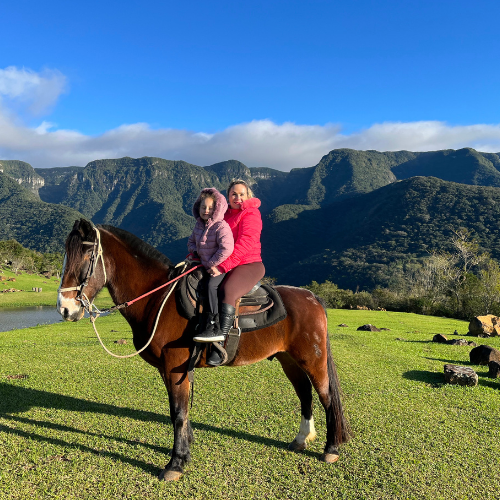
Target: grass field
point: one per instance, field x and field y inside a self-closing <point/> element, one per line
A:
<point x="85" y="425"/>
<point x="26" y="297"/>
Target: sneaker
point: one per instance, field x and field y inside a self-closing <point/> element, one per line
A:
<point x="211" y="332"/>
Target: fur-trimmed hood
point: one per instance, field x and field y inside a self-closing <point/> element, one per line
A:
<point x="220" y="205"/>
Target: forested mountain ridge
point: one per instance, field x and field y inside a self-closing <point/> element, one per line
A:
<point x="365" y="240"/>
<point x="33" y="223"/>
<point x="23" y="173"/>
<point x="351" y="218"/>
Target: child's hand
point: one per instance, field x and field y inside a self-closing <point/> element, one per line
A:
<point x="213" y="271"/>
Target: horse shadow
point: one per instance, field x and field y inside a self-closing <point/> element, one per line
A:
<point x="15" y="399"/>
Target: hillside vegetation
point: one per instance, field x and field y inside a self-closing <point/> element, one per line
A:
<point x="353" y="218"/>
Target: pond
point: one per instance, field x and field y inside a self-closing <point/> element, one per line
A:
<point x="12" y="318"/>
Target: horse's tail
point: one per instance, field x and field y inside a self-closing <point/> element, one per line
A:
<point x="340" y="426"/>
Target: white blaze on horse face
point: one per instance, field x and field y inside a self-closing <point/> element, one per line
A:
<point x="69" y="308"/>
<point x="307" y="432"/>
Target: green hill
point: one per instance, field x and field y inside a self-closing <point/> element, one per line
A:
<point x="361" y="241"/>
<point x="33" y="223"/>
<point x="353" y="218"/>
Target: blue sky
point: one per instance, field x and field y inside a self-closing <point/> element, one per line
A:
<point x="278" y="83"/>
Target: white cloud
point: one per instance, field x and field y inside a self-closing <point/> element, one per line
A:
<point x="256" y="143"/>
<point x="39" y="91"/>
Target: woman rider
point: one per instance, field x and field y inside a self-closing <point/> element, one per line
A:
<point x="244" y="266"/>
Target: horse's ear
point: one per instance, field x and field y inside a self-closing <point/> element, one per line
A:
<point x="85" y="228"/>
<point x="76" y="225"/>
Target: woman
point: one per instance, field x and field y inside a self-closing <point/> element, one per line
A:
<point x="244" y="266"/>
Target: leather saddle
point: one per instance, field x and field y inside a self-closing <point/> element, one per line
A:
<point x="257" y="300"/>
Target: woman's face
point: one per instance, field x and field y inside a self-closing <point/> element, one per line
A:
<point x="237" y="195"/>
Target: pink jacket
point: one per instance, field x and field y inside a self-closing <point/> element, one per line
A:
<point x="246" y="225"/>
<point x="213" y="240"/>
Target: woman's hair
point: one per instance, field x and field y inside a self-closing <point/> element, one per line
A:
<point x="240" y="181"/>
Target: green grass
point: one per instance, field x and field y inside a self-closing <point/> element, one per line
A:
<point x="85" y="425"/>
<point x="26" y="297"/>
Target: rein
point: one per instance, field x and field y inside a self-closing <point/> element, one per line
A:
<point x="89" y="305"/>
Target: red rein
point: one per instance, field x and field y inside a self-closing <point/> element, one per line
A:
<point x="162" y="286"/>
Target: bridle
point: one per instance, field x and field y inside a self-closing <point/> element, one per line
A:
<point x="88" y="305"/>
<point x="94" y="260"/>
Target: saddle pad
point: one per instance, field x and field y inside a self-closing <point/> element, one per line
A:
<point x="268" y="317"/>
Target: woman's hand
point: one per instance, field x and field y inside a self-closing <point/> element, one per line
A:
<point x="213" y="271"/>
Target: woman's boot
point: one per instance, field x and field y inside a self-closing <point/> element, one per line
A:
<point x="226" y="319"/>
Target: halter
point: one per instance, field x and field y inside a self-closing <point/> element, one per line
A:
<point x="94" y="259"/>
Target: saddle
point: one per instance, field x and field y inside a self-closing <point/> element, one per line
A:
<point x="261" y="307"/>
<point x="260" y="299"/>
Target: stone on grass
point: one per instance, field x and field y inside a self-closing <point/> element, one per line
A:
<point x="483" y="354"/>
<point x="439" y="337"/>
<point x="485" y="326"/>
<point x="368" y="328"/>
<point x="343" y="324"/>
<point x="462" y="342"/>
<point x="460" y="375"/>
<point x="120" y="341"/>
<point x="494" y="369"/>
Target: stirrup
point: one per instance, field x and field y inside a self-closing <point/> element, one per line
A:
<point x="208" y="337"/>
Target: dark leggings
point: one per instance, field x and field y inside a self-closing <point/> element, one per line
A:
<point x="240" y="281"/>
<point x="213" y="283"/>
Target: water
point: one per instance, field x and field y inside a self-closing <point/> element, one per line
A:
<point x="13" y="318"/>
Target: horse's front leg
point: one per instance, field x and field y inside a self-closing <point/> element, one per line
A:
<point x="176" y="381"/>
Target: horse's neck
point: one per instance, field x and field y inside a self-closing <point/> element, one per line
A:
<point x="130" y="275"/>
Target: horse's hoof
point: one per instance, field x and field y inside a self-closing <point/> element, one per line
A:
<point x="296" y="446"/>
<point x="169" y="475"/>
<point x="330" y="458"/>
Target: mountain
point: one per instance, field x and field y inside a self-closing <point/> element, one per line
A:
<point x="353" y="218"/>
<point x="360" y="241"/>
<point x="23" y="173"/>
<point x="33" y="223"/>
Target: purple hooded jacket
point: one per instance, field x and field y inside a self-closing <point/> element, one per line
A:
<point x="213" y="240"/>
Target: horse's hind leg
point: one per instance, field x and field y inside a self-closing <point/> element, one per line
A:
<point x="303" y="388"/>
<point x="325" y="381"/>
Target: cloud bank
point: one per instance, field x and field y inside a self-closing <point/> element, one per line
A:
<point x="259" y="143"/>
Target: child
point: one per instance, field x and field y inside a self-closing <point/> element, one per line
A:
<point x="212" y="241"/>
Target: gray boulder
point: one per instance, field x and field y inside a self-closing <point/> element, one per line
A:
<point x="460" y="375"/>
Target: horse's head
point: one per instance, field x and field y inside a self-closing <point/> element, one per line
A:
<point x="82" y="277"/>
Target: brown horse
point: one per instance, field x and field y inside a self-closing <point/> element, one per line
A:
<point x="128" y="267"/>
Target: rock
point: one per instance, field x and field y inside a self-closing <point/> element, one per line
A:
<point x="494" y="369"/>
<point x="483" y="354"/>
<point x="439" y="337"/>
<point x="458" y="342"/>
<point x="368" y="328"/>
<point x="461" y="375"/>
<point x="343" y="324"/>
<point x="485" y="326"/>
<point x="455" y="332"/>
<point x="121" y="341"/>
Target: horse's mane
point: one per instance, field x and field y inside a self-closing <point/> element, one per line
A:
<point x="137" y="245"/>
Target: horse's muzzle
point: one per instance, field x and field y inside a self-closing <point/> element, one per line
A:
<point x="69" y="309"/>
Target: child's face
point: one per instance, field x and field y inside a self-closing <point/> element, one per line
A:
<point x="206" y="208"/>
